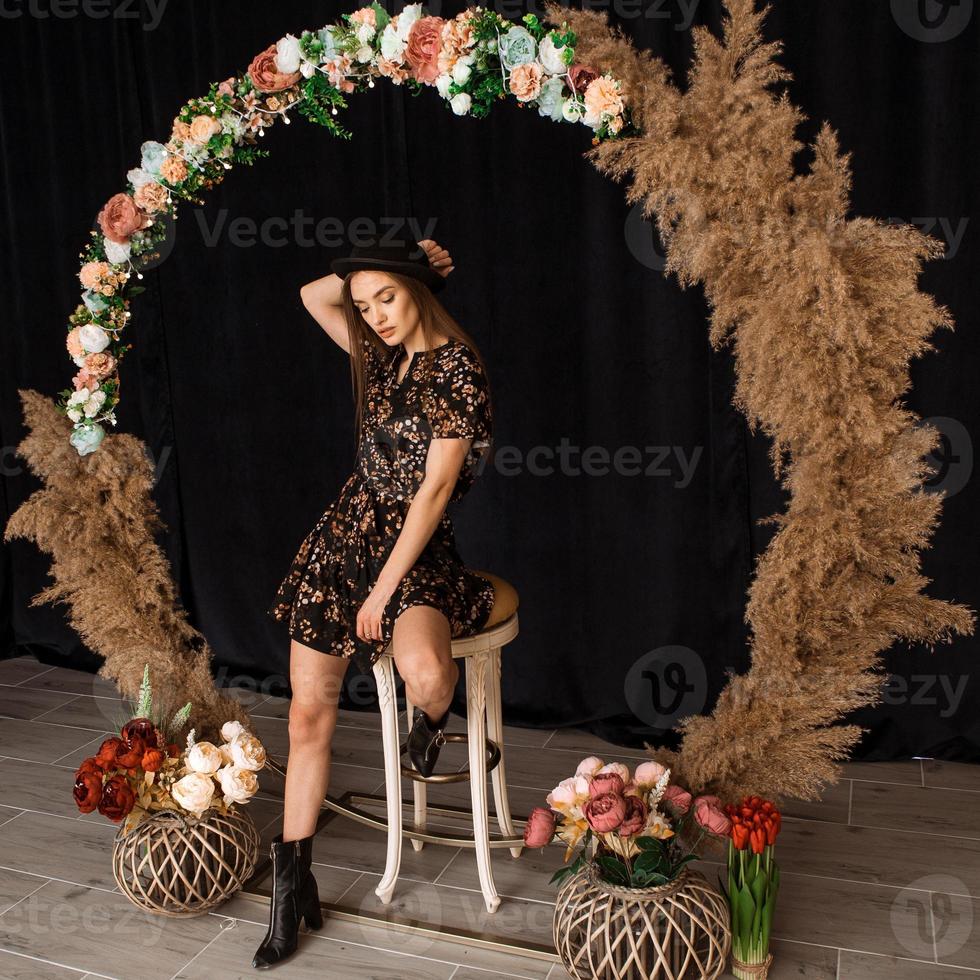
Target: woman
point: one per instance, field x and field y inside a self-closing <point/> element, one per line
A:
<point x="381" y="564"/>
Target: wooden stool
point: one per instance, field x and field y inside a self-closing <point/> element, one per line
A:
<point x="484" y="737"/>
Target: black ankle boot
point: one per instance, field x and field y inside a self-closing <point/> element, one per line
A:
<point x="425" y="740"/>
<point x="294" y="897"/>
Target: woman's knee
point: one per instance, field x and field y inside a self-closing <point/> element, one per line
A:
<point x="312" y="724"/>
<point x="429" y="673"/>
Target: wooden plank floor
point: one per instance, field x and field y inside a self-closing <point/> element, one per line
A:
<point x="881" y="879"/>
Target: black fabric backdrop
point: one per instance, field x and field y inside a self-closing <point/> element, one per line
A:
<point x="632" y="586"/>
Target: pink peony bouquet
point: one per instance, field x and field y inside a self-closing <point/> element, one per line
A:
<point x="638" y="829"/>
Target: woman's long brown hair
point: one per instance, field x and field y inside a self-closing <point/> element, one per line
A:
<point x="435" y="319"/>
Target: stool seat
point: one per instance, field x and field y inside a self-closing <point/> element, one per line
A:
<point x="505" y="598"/>
<point x="484" y="737"/>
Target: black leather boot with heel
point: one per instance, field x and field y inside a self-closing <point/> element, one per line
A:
<point x="424" y="741"/>
<point x="294" y="898"/>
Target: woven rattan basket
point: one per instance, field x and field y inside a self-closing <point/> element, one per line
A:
<point x="178" y="865"/>
<point x="678" y="930"/>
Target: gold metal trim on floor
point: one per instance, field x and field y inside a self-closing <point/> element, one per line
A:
<point x="331" y="807"/>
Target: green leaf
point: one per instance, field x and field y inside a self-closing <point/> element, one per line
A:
<point x="145" y="703"/>
<point x="180" y="718"/>
<point x="135" y="290"/>
<point x="381" y="17"/>
<point x="613" y="870"/>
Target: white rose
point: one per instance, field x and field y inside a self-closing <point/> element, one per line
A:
<point x="408" y="17"/>
<point x="115" y="253"/>
<point x="238" y="785"/>
<point x="364" y="54"/>
<point x="589" y="766"/>
<point x="462" y="72"/>
<point x="95" y="403"/>
<point x="392" y="46"/>
<point x="248" y="753"/>
<point x="550" y="57"/>
<point x="364" y="32"/>
<point x="230" y="730"/>
<point x="193" y="792"/>
<point x="93" y="338"/>
<point x="443" y="82"/>
<point x="79" y="397"/>
<point x="571" y="110"/>
<point x="139" y="177"/>
<point x="204" y="757"/>
<point x="288" y="54"/>
<point x="460" y="103"/>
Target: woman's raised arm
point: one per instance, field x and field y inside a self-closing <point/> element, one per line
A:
<point x="322" y="298"/>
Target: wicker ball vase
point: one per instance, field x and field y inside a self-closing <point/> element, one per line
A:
<point x="178" y="865"/>
<point x="606" y="931"/>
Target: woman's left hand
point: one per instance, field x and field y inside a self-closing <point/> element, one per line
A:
<point x="369" y="615"/>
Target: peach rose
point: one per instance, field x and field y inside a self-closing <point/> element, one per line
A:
<point x="203" y="128"/>
<point x="390" y="69"/>
<point x="100" y="365"/>
<point x="265" y="73"/>
<point x="227" y="87"/>
<point x="422" y="50"/>
<point x="151" y="197"/>
<point x="173" y="170"/>
<point x="540" y="827"/>
<point x="92" y="272"/>
<point x="525" y="81"/>
<point x="181" y="131"/>
<point x="85" y="379"/>
<point x="120" y="218"/>
<point x="74" y="342"/>
<point x="365" y="15"/>
<point x="603" y="96"/>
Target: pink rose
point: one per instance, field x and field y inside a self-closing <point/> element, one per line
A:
<point x="648" y="773"/>
<point x="709" y="815"/>
<point x="227" y="87"/>
<point x="540" y="827"/>
<point x="605" y="813"/>
<point x="635" y="818"/>
<point x="120" y="218"/>
<point x="678" y="798"/>
<point x="580" y="76"/>
<point x="606" y="782"/>
<point x="525" y="81"/>
<point x="422" y="50"/>
<point x="265" y="73"/>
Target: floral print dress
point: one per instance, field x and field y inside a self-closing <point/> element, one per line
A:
<point x="444" y="394"/>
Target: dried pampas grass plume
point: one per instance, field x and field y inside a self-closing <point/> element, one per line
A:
<point x="96" y="519"/>
<point x="824" y="314"/>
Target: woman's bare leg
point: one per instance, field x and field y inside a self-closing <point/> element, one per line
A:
<point x="316" y="679"/>
<point x="421" y="643"/>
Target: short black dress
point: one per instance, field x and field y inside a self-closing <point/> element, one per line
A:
<point x="444" y="394"/>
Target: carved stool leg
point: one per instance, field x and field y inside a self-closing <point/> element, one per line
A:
<point x="384" y="673"/>
<point x="419" y="797"/>
<point x="495" y="727"/>
<point x="476" y="731"/>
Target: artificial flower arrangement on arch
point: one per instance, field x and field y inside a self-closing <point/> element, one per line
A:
<point x="472" y="60"/>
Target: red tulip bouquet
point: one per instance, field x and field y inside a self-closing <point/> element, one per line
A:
<point x="638" y="829"/>
<point x="143" y="771"/>
<point x="753" y="883"/>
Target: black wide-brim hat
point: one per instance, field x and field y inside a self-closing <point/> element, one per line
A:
<point x="394" y="256"/>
